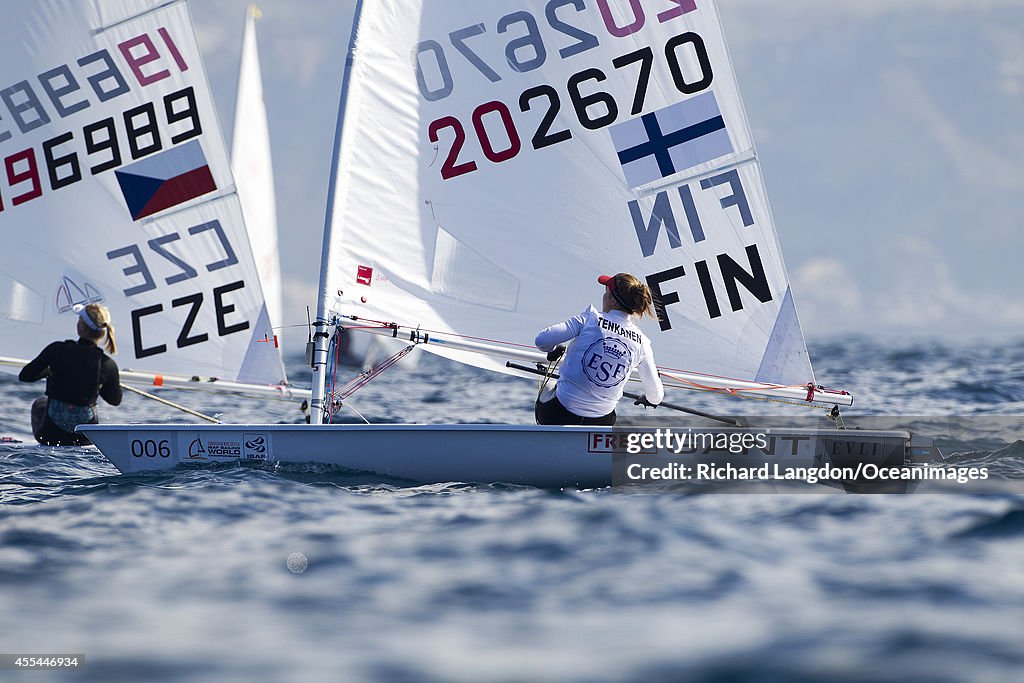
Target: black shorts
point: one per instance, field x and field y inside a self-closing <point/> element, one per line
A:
<point x="49" y="434"/>
<point x="554" y="413"/>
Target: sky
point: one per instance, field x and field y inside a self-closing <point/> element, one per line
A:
<point x="890" y="132"/>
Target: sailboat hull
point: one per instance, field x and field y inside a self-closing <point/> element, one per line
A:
<point x="543" y="456"/>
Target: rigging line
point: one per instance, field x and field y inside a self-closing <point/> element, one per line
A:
<point x="172" y="404"/>
<point x="762" y="385"/>
<point x="549" y="373"/>
<point x="746" y="397"/>
<point x="288" y="327"/>
<point x="387" y="325"/>
<point x="353" y="408"/>
<point x="336" y="340"/>
<point x="380" y="324"/>
<point x="483" y="339"/>
<point x="365" y="378"/>
<point x="383" y="325"/>
<point x="213" y="388"/>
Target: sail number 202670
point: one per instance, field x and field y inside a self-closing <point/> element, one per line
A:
<point x="493" y="121"/>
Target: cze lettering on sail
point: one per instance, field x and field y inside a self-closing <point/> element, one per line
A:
<point x="192" y="304"/>
<point x="173" y="269"/>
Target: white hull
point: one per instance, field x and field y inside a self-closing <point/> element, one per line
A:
<point x="548" y="457"/>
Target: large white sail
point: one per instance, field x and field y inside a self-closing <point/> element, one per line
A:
<point x="253" y="169"/>
<point x="115" y="186"/>
<point x="496" y="157"/>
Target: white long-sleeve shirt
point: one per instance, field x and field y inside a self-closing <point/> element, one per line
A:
<point x="608" y="347"/>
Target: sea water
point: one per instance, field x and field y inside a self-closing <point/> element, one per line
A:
<point x="302" y="573"/>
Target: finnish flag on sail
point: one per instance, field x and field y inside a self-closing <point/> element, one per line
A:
<point x="671" y="140"/>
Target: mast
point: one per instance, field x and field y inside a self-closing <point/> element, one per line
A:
<point x="321" y="335"/>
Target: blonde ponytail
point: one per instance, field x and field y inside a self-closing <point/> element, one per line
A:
<point x="100" y="316"/>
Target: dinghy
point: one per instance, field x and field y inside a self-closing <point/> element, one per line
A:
<point x="490" y="161"/>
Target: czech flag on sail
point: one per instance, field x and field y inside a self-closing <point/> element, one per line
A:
<point x="165" y="180"/>
<point x="671" y="140"/>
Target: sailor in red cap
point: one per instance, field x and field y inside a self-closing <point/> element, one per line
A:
<point x="607" y="347"/>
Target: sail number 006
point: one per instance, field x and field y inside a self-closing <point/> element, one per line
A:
<point x="151" y="448"/>
<point x="594" y="110"/>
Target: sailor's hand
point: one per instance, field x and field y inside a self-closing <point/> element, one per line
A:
<point x="642" y="401"/>
<point x="556" y="353"/>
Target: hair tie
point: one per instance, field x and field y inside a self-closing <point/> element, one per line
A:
<point x="618" y="297"/>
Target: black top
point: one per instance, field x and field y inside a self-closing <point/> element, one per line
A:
<point x="75" y="372"/>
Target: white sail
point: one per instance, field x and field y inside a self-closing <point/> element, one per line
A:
<point x="253" y="169"/>
<point x="495" y="158"/>
<point x="115" y="186"/>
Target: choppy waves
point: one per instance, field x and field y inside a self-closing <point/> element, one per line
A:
<point x="184" y="575"/>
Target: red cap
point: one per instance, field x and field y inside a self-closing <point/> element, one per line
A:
<point x="609" y="282"/>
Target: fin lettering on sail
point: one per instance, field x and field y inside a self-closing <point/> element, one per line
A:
<point x="630" y="153"/>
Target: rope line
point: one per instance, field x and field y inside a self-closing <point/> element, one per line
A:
<point x="680" y="382"/>
<point x="337" y="396"/>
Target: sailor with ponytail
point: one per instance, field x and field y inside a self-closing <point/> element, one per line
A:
<point x="607" y="346"/>
<point x="77" y="373"/>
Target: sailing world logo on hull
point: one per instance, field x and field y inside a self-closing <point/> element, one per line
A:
<point x="198" y="450"/>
